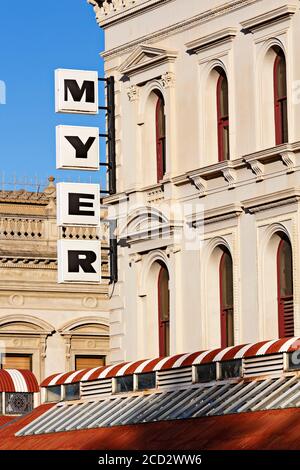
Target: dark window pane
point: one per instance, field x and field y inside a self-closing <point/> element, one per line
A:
<point x="294" y="360"/>
<point x="53" y="393"/>
<point x="163" y="311"/>
<point x="285" y="268"/>
<point x="124" y="384"/>
<point x="230" y="369"/>
<point x="146" y="381"/>
<point x="224" y="97"/>
<point x="281" y="76"/>
<point x="160" y="125"/>
<point x="226" y="142"/>
<point x="72" y="391"/>
<point x="18" y="403"/>
<point x="285" y="137"/>
<point x="206" y="372"/>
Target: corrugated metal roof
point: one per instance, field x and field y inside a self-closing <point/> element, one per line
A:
<point x="179" y="360"/>
<point x="5" y="419"/>
<point x="215" y="398"/>
<point x="13" y="380"/>
<point x="265" y="430"/>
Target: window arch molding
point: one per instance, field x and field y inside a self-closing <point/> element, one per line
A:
<point x="265" y="120"/>
<point x="85" y="336"/>
<point x="27" y="334"/>
<point x="147" y="130"/>
<point x="267" y="278"/>
<point x="150" y="87"/>
<point x="156" y="256"/>
<point x="211" y="255"/>
<point x="147" y="271"/>
<point x="209" y="136"/>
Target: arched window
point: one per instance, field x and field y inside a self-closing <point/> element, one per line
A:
<point x="280" y="99"/>
<point x="226" y="300"/>
<point x="223" y="117"/>
<point x="285" y="289"/>
<point x="160" y="121"/>
<point x="164" y="312"/>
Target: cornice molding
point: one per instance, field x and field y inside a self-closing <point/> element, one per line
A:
<point x="218" y="214"/>
<point x="268" y="201"/>
<point x="179" y="27"/>
<point x="211" y="40"/>
<point x="271" y="16"/>
<point x="110" y="12"/>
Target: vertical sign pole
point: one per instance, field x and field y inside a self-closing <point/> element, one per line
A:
<point x="112" y="134"/>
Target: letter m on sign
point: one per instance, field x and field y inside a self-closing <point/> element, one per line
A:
<point x="76" y="91"/>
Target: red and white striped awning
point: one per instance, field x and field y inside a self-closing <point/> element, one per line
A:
<point x="13" y="380"/>
<point x="173" y="362"/>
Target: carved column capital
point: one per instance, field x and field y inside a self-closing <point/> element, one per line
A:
<point x="133" y="93"/>
<point x="168" y="79"/>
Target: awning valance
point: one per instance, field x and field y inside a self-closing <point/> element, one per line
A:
<point x="172" y="362"/>
<point x="13" y="380"/>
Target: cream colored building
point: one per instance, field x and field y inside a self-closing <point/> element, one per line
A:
<point x="45" y="326"/>
<point x="208" y="153"/>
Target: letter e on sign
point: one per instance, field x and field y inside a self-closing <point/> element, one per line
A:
<point x="76" y="91"/>
<point x="78" y="204"/>
<point x="79" y="261"/>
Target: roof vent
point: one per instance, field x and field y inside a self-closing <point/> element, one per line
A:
<point x="96" y="388"/>
<point x="174" y="377"/>
<point x="263" y="365"/>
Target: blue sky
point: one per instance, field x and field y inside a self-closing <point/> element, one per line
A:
<point x="36" y="38"/>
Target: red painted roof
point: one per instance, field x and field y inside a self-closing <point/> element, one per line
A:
<point x="6" y="419"/>
<point x="172" y="362"/>
<point x="272" y="429"/>
<point x="13" y="380"/>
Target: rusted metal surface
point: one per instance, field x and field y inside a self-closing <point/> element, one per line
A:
<point x="274" y="429"/>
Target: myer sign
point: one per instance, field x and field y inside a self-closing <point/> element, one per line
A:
<point x="77" y="147"/>
<point x="76" y="91"/>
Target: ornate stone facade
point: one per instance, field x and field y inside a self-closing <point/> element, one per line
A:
<point x="48" y="321"/>
<point x="162" y="48"/>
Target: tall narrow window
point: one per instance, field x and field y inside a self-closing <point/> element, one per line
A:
<point x="164" y="312"/>
<point x="280" y="99"/>
<point x="160" y="119"/>
<point x="226" y="300"/>
<point x="285" y="289"/>
<point x="223" y="117"/>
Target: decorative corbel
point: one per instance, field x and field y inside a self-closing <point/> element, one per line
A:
<point x="135" y="258"/>
<point x="230" y="176"/>
<point x="288" y="159"/>
<point x="258" y="169"/>
<point x="43" y="347"/>
<point x="200" y="184"/>
<point x="172" y="250"/>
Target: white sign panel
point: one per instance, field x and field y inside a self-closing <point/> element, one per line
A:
<point x="78" y="204"/>
<point x="79" y="261"/>
<point x="77" y="148"/>
<point x="76" y="91"/>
